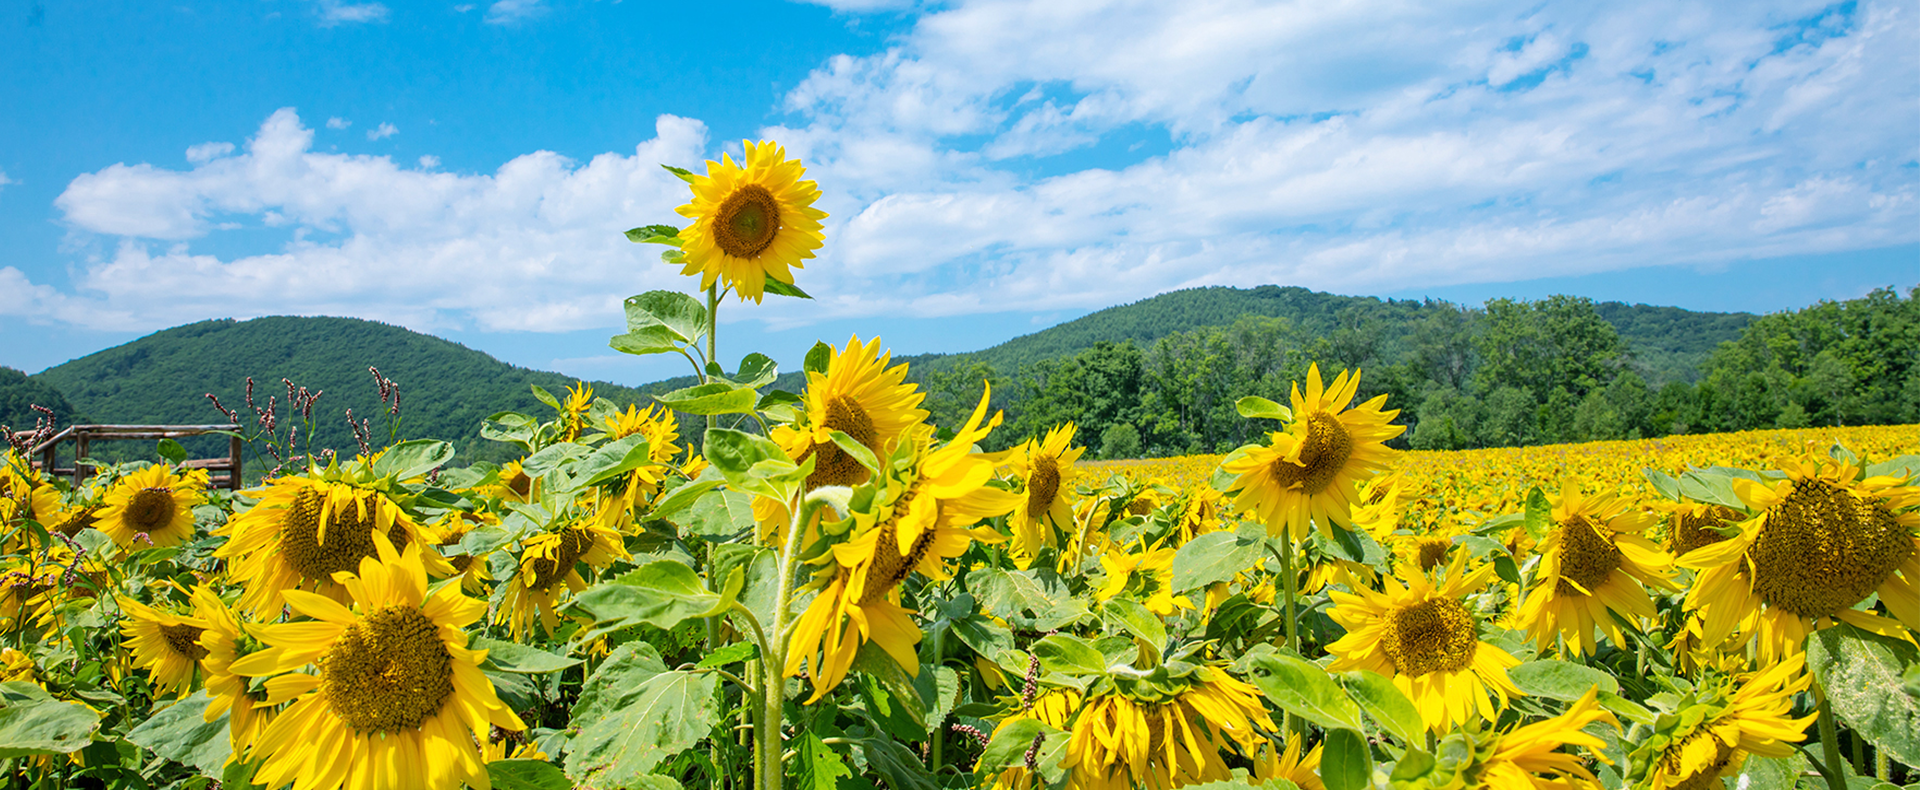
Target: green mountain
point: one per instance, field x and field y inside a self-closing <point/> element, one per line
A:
<point x="19" y="393"/>
<point x="446" y="389"/>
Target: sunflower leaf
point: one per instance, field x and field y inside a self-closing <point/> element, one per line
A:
<point x="681" y="314"/>
<point x="527" y="775"/>
<point x="817" y="766"/>
<point x="410" y="459"/>
<point x="712" y="398"/>
<point x="1539" y="515"/>
<point x="32" y="722"/>
<point x="633" y="713"/>
<point x="1214" y="557"/>
<point x="1304" y="689"/>
<point x="1560" y="680"/>
<point x="1069" y="655"/>
<point x="684" y="174"/>
<point x="1345" y="762"/>
<point x="1385" y="704"/>
<point x="661" y="593"/>
<point x="1131" y="616"/>
<point x="1861" y="673"/>
<point x="521" y="659"/>
<point x="181" y="733"/>
<point x="778" y="288"/>
<point x="756" y="370"/>
<point x="1254" y="407"/>
<point x="654" y="234"/>
<point x="646" y="340"/>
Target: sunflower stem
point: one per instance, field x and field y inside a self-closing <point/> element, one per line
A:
<point x="713" y="322"/>
<point x="1829" y="743"/>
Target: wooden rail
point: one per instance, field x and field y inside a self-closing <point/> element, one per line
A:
<point x="224" y="472"/>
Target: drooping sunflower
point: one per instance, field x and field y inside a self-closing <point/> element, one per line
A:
<point x="1823" y="540"/>
<point x="573" y="410"/>
<point x="513" y="484"/>
<point x="153" y="502"/>
<point x="394" y="698"/>
<point x="1147" y="575"/>
<point x="921" y="515"/>
<point x="1426" y="638"/>
<point x="860" y="396"/>
<point x="1175" y="731"/>
<point x="223" y="643"/>
<point x="1531" y="757"/>
<point x="1302" y="770"/>
<point x="1046" y="472"/>
<point x="1053" y="707"/>
<point x="448" y="532"/>
<point x="1714" y="728"/>
<point x="1593" y="561"/>
<point x="1200" y="512"/>
<point x="1306" y="473"/>
<point x="165" y="644"/>
<point x="549" y="572"/>
<point x="306" y="528"/>
<point x="1691" y="525"/>
<point x="751" y="221"/>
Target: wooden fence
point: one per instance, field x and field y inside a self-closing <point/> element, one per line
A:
<point x="224" y="472"/>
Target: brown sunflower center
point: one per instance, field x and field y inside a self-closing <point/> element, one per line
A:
<point x="347" y="540"/>
<point x="747" y="221"/>
<point x="1824" y="549"/>
<point x="1586" y="558"/>
<point x="184" y="640"/>
<point x="150" y="509"/>
<point x="1695" y="763"/>
<point x="1691" y="531"/>
<point x="79" y="521"/>
<point x="889" y="568"/>
<point x="1431" y="636"/>
<point x="832" y="466"/>
<point x="1043" y="485"/>
<point x="1323" y="454"/>
<point x="388" y="672"/>
<point x="552" y="569"/>
<point x="1433" y="552"/>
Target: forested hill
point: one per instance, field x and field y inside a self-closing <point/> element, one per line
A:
<point x="446" y="389"/>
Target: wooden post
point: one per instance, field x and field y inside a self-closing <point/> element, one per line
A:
<point x="234" y="453"/>
<point x="79" y="452"/>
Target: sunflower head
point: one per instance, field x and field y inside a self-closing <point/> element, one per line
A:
<point x="306" y="528"/>
<point x="152" y="507"/>
<point x="166" y="644"/>
<point x="860" y="395"/>
<point x="1709" y="731"/>
<point x="1174" y="726"/>
<point x="751" y="221"/>
<point x="1594" y="561"/>
<point x="1044" y="470"/>
<point x="1307" y="473"/>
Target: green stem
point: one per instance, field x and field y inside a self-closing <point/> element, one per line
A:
<point x="1829" y="743"/>
<point x="775" y="685"/>
<point x="1859" y="752"/>
<point x="713" y="320"/>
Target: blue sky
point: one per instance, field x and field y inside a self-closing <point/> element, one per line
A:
<point x="991" y="168"/>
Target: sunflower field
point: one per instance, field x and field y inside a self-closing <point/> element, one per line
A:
<point x="824" y="590"/>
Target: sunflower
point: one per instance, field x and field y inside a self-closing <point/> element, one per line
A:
<point x="659" y="425"/>
<point x="448" y="532"/>
<point x="1200" y="512"/>
<point x="165" y="644"/>
<point x="1517" y="759"/>
<point x="1148" y="574"/>
<point x="918" y="518"/>
<point x="860" y="396"/>
<point x="1823" y="540"/>
<point x="305" y="529"/>
<point x="1053" y="707"/>
<point x="548" y="572"/>
<point x="1426" y="638"/>
<point x="222" y="642"/>
<point x="513" y="484"/>
<point x="1593" y="561"/>
<point x="1307" y="473"/>
<point x="573" y="411"/>
<point x="383" y="694"/>
<point x="1168" y="733"/>
<point x="17" y="666"/>
<point x="1045" y="471"/>
<point x="153" y="502"/>
<point x="751" y="221"/>
<point x="1302" y="770"/>
<point x="1713" y="729"/>
<point x="1691" y="525"/>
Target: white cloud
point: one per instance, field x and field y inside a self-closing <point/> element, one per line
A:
<point x="207" y="152"/>
<point x="4" y="180"/>
<point x="335" y="12"/>
<point x="429" y="162"/>
<point x="383" y="131"/>
<point x="337" y="123"/>
<point x="504" y="12"/>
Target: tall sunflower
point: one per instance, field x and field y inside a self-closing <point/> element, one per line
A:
<point x="919" y="517"/>
<point x="1426" y="638"/>
<point x="383" y="694"/>
<point x="165" y="644"/>
<point x="153" y="502"/>
<point x="751" y="221"/>
<point x="305" y="529"/>
<point x="1823" y="540"/>
<point x="858" y="395"/>
<point x="549" y="571"/>
<point x="573" y="410"/>
<point x="1713" y="729"/>
<point x="1307" y="473"/>
<point x="223" y="642"/>
<point x="1046" y="472"/>
<point x="1148" y="575"/>
<point x="1532" y="756"/>
<point x="1172" y="732"/>
<point x="1594" y="561"/>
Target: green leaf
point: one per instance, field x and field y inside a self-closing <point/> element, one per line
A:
<point x="521" y="659"/>
<point x="1213" y="557"/>
<point x="686" y="495"/>
<point x="720" y="515"/>
<point x="413" y="458"/>
<point x="551" y="457"/>
<point x="874" y="663"/>
<point x="1861" y="673"/>
<point x="985" y="636"/>
<point x="1711" y="487"/>
<point x="1254" y="407"/>
<point x="1771" y="773"/>
<point x="1560" y="680"/>
<point x="817" y="766"/>
<point x="650" y="233"/>
<point x="527" y="775"/>
<point x="1345" y="762"/>
<point x="612" y="460"/>
<point x="1070" y="655"/>
<point x="32" y="722"/>
<point x="1539" y="518"/>
<point x="778" y="288"/>
<point x="756" y="370"/>
<point x="172" y="451"/>
<point x="859" y="451"/>
<point x="734" y="653"/>
<point x="633" y="712"/>
<point x="1385" y="704"/>
<point x="681" y="315"/>
<point x="1662" y="482"/>
<point x="900" y="768"/>
<point x="541" y="394"/>
<point x="717" y="397"/>
<point x="1137" y="621"/>
<point x="684" y="174"/>
<point x="508" y="426"/>
<point x="817" y="358"/>
<point x="1305" y="690"/>
<point x="752" y="463"/>
<point x="661" y="593"/>
<point x="655" y="339"/>
<point x="1010" y="744"/>
<point x="181" y="733"/>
